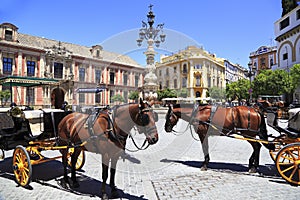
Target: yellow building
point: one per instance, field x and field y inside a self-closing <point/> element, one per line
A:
<point x="192" y="68"/>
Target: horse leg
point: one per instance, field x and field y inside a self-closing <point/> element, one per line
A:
<point x="254" y="159"/>
<point x="204" y="142"/>
<point x="105" y="164"/>
<point x="74" y="158"/>
<point x="65" y="163"/>
<point x="114" y="190"/>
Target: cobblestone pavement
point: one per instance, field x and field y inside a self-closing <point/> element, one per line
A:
<point x="166" y="170"/>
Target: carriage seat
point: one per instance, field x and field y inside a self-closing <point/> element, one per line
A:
<point x="13" y="125"/>
<point x="6" y="124"/>
<point x="291" y="130"/>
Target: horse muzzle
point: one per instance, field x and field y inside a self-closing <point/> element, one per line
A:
<point x="168" y="129"/>
<point x="153" y="138"/>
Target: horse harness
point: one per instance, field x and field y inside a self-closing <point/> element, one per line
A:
<point x="110" y="133"/>
<point x="235" y="129"/>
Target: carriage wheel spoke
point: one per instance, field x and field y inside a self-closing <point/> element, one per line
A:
<point x="288" y="157"/>
<point x="18" y="158"/>
<point x="293" y="173"/>
<point x="288" y="169"/>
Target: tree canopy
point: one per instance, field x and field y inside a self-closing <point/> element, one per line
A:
<point x="134" y="95"/>
<point x="238" y="90"/>
<point x="4" y="96"/>
<point x="295" y="76"/>
<point x="166" y="93"/>
<point x="217" y="93"/>
<point x="267" y="82"/>
<point x="117" y="98"/>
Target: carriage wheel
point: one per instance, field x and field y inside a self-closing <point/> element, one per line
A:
<point x="2" y="154"/>
<point x="22" y="166"/>
<point x="278" y="145"/>
<point x="80" y="160"/>
<point x="288" y="163"/>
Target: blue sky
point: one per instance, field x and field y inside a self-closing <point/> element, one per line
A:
<point x="231" y="29"/>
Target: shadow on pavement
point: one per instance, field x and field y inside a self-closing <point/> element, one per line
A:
<point x="263" y="170"/>
<point x="41" y="172"/>
<point x="53" y="170"/>
<point x="92" y="188"/>
<point x="131" y="158"/>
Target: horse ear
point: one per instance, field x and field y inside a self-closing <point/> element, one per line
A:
<point x="141" y="105"/>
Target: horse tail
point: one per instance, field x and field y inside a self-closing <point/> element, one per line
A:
<point x="263" y="132"/>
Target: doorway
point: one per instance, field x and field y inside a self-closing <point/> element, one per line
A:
<point x="57" y="98"/>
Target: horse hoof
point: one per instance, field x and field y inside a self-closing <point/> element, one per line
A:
<point x="252" y="170"/>
<point x="114" y="193"/>
<point x="63" y="184"/>
<point x="203" y="168"/>
<point x="104" y="196"/>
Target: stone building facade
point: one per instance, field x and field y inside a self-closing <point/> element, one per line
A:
<point x="75" y="67"/>
<point x="287" y="36"/>
<point x="264" y="58"/>
<point x="192" y="68"/>
<point x="233" y="72"/>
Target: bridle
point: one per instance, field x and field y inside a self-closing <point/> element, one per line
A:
<point x="142" y="120"/>
<point x="170" y="114"/>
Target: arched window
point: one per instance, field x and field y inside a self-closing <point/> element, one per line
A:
<point x="271" y="62"/>
<point x="184" y="69"/>
<point x="198" y="80"/>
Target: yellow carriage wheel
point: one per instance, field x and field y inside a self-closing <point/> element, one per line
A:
<point x="22" y="166"/>
<point x="80" y="160"/>
<point x="288" y="163"/>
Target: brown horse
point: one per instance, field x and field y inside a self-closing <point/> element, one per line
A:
<point x="279" y="107"/>
<point x="105" y="136"/>
<point x="242" y="120"/>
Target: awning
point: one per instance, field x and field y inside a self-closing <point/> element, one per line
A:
<point x="27" y="81"/>
<point x="89" y="90"/>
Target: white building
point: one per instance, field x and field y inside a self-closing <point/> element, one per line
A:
<point x="287" y="36"/>
<point x="233" y="72"/>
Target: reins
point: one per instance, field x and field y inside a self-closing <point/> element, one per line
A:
<point x="189" y="125"/>
<point x="143" y="147"/>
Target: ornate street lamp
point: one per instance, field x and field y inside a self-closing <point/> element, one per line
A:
<point x="152" y="36"/>
<point x="249" y="73"/>
<point x="150" y="33"/>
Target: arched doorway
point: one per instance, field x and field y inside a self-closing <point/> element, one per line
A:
<point x="57" y="98"/>
<point x="198" y="94"/>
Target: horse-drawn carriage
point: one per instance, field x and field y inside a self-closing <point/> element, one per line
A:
<point x="249" y="124"/>
<point x="287" y="145"/>
<point x="72" y="133"/>
<point x="16" y="134"/>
